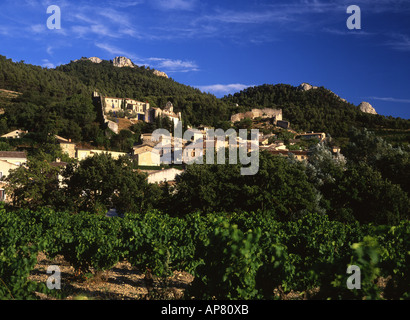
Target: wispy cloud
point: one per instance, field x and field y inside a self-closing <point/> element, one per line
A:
<point x="114" y="51"/>
<point x="170" y="65"/>
<point x="346" y="32"/>
<point x="125" y="4"/>
<point x="47" y="64"/>
<point x="175" y="4"/>
<point x="399" y="42"/>
<point x="224" y="88"/>
<point x="163" y="64"/>
<point x="37" y="28"/>
<point x="390" y="99"/>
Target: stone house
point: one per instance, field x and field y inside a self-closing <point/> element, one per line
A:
<point x="67" y="146"/>
<point x="165" y="175"/>
<point x="141" y="109"/>
<point x="299" y="154"/>
<point x="168" y="111"/>
<point x="82" y="154"/>
<point x="9" y="160"/>
<point x="311" y="135"/>
<point x="14" y="134"/>
<point x="146" y="155"/>
<point x="266" y="113"/>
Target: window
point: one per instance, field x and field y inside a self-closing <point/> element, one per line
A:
<point x="1" y="175"/>
<point x="2" y="195"/>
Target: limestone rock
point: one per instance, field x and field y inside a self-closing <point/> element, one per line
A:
<point x="367" y="108"/>
<point x="160" y="74"/>
<point x="306" y="87"/>
<point x="95" y="60"/>
<point x="121" y="62"/>
<point x="92" y="59"/>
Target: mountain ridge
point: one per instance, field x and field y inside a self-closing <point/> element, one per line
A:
<point x="61" y="98"/>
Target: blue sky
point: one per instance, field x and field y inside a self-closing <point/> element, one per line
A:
<point x="224" y="46"/>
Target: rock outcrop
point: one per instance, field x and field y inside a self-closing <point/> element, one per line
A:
<point x="367" y="108"/>
<point x="121" y="62"/>
<point x="160" y="74"/>
<point x="95" y="60"/>
<point x="92" y="59"/>
<point x="306" y="87"/>
<point x="265" y="113"/>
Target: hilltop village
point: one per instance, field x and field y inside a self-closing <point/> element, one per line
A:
<point x="281" y="140"/>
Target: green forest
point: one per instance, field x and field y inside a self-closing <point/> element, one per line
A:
<point x="59" y="101"/>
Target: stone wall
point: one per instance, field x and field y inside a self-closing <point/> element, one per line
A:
<point x="258" y="113"/>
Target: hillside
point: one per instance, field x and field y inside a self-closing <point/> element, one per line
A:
<point x="59" y="101"/>
<point x="142" y="84"/>
<point x="313" y="110"/>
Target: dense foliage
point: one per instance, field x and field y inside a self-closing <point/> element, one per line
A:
<point x="317" y="110"/>
<point x="241" y="256"/>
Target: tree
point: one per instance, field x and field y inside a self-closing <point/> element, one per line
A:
<point x="281" y="185"/>
<point x="34" y="185"/>
<point x="362" y="194"/>
<point x="100" y="182"/>
<point x="393" y="163"/>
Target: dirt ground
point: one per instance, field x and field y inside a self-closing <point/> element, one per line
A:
<point x="123" y="282"/>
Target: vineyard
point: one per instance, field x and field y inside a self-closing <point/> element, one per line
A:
<point x="231" y="256"/>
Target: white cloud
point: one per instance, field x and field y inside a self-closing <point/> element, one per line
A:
<point x="176" y="4"/>
<point x="38" y="28"/>
<point x="163" y="64"/>
<point x="125" y="4"/>
<point x="114" y="51"/>
<point x="170" y="65"/>
<point x="390" y="99"/>
<point x="346" y="32"/>
<point x="399" y="42"/>
<point x="47" y="64"/>
<point x="50" y="50"/>
<point x="224" y="88"/>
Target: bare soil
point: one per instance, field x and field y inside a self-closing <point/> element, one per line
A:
<point x="122" y="282"/>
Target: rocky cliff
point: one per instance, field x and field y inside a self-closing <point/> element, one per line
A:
<point x="95" y="60"/>
<point x="121" y="62"/>
<point x="367" y="108"/>
<point x="160" y="74"/>
<point x="306" y="87"/>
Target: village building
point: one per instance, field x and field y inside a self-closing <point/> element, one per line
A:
<point x="298" y="154"/>
<point x="266" y="113"/>
<point x="311" y="135"/>
<point x="59" y="164"/>
<point x="168" y="112"/>
<point x="9" y="160"/>
<point x="66" y="146"/>
<point x="16" y="134"/>
<point x="146" y="155"/>
<point x="115" y="105"/>
<point x="165" y="175"/>
<point x="283" y="124"/>
<point x="82" y="154"/>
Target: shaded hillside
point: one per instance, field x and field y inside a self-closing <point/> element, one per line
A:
<point x="59" y="101"/>
<point x="141" y="84"/>
<point x="50" y="102"/>
<point x="312" y="110"/>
